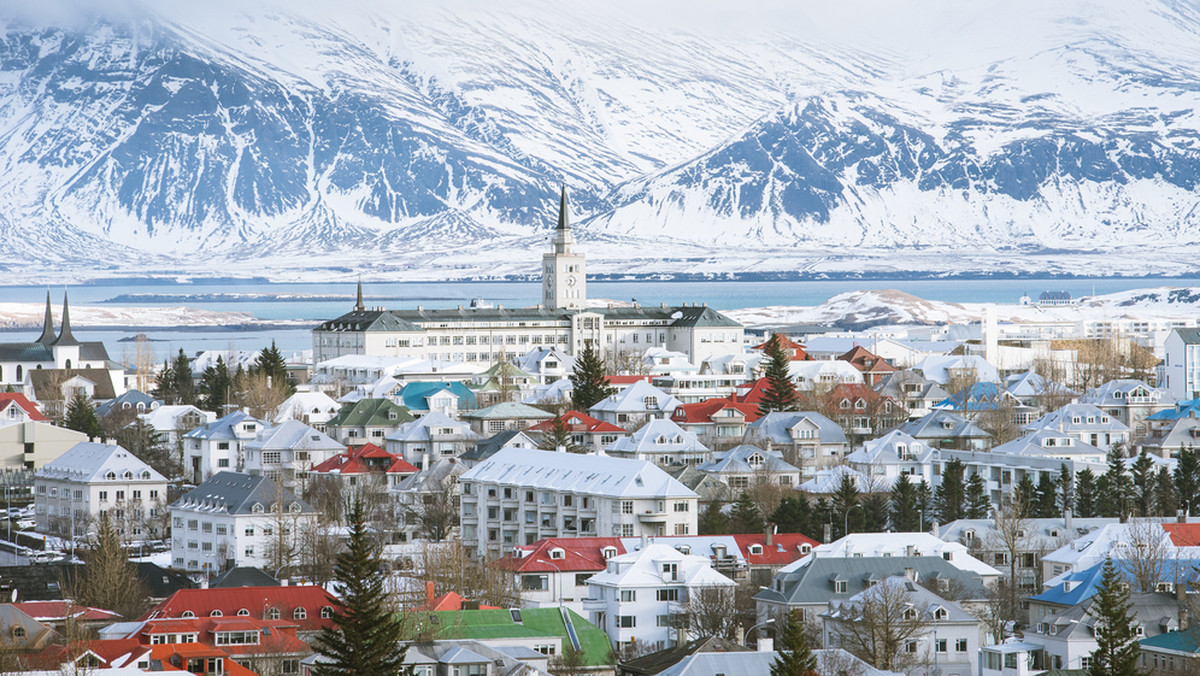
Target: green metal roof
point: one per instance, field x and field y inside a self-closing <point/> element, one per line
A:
<point x="1182" y="641"/>
<point x="371" y="412"/>
<point x="535" y="623"/>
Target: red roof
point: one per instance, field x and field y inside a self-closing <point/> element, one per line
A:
<point x="626" y="380"/>
<point x="792" y="347"/>
<point x="853" y="392"/>
<point x="30" y="408"/>
<point x="355" y="461"/>
<point x="276" y="636"/>
<point x="751" y="392"/>
<point x="577" y="422"/>
<point x="578" y="555"/>
<point x="117" y="652"/>
<point x="1183" y="534"/>
<point x="703" y="411"/>
<point x="257" y="600"/>
<point x="186" y="651"/>
<point x="862" y="359"/>
<point x="52" y="611"/>
<point x="784" y="548"/>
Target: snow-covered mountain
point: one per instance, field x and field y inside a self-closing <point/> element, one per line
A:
<point x="912" y="135"/>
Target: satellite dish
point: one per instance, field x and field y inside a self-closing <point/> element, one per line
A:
<point x="677" y="315"/>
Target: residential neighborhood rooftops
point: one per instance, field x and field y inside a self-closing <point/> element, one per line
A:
<point x="89" y="462"/>
<point x="600" y="475"/>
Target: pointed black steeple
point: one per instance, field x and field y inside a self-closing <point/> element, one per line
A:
<point x="47" y="325"/>
<point x="64" y="335"/>
<point x="358" y="305"/>
<point x="563" y="221"/>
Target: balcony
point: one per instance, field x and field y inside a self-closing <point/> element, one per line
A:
<point x="652" y="517"/>
<point x="591" y="604"/>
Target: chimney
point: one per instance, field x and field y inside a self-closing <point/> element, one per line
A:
<point x="283" y="582"/>
<point x="643" y="541"/>
<point x="1181" y="516"/>
<point x="935" y="527"/>
<point x="770" y="534"/>
<point x="828" y="533"/>
<point x="910" y="575"/>
<point x="429" y="595"/>
<point x="766" y="644"/>
<point x="1068" y="522"/>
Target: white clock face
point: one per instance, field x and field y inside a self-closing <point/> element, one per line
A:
<point x="570" y="280"/>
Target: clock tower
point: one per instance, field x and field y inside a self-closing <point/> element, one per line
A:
<point x="564" y="281"/>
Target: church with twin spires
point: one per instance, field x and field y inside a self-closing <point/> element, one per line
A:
<point x="564" y="320"/>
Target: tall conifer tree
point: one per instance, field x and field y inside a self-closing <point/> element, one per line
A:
<point x="1116" y="643"/>
<point x="905" y="506"/>
<point x="1187" y="479"/>
<point x="794" y="657"/>
<point x="1085" y="494"/>
<point x="951" y="493"/>
<point x="978" y="503"/>
<point x="589" y="382"/>
<point x="365" y="635"/>
<point x="81" y="416"/>
<point x="1046" y="500"/>
<point x="780" y="392"/>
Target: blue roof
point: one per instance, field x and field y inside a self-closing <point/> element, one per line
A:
<point x="1087" y="582"/>
<point x="978" y="397"/>
<point x="414" y="395"/>
<point x="221" y="428"/>
<point x="1183" y="409"/>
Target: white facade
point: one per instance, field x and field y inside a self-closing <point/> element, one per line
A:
<point x="520" y="496"/>
<point x="289" y="450"/>
<point x="217" y="446"/>
<point x="564" y="278"/>
<point x="92" y="479"/>
<point x="1179" y="373"/>
<point x="638" y="592"/>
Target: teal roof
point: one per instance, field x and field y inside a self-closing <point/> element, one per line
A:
<point x="415" y="395"/>
<point x="1187" y="641"/>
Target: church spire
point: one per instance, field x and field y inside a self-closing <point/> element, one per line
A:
<point x="563" y="221"/>
<point x="65" y="337"/>
<point x="47" y="324"/>
<point x="358" y="305"/>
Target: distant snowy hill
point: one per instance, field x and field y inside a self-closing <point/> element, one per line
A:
<point x="910" y="136"/>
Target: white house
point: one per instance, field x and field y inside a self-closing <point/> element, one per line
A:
<point x="744" y="466"/>
<point x="310" y="408"/>
<point x="430" y="438"/>
<point x="638" y="592"/>
<point x="91" y="479"/>
<point x="807" y="439"/>
<point x="289" y="450"/>
<point x="662" y="442"/>
<point x="895" y="453"/>
<point x="634" y="405"/>
<point x="171" y="422"/>
<point x="899" y="545"/>
<point x="1179" y="373"/>
<point x="234" y="519"/>
<point x="520" y="496"/>
<point x="1087" y="423"/>
<point x="217" y="446"/>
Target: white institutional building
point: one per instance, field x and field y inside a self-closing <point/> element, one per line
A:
<point x="564" y="320"/>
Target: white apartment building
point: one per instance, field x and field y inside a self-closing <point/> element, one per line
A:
<point x="217" y="446"/>
<point x="1179" y="374"/>
<point x="289" y="450"/>
<point x="91" y="479"/>
<point x="234" y="519"/>
<point x="520" y="496"/>
<point x="638" y="593"/>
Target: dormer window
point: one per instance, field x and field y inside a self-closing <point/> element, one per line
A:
<point x="650" y="402"/>
<point x="910" y="614"/>
<point x="805" y="548"/>
<point x="216" y="613"/>
<point x="187" y="614"/>
<point x="756" y="550"/>
<point x="939" y="614"/>
<point x="111" y="476"/>
<point x="242" y="612"/>
<point x="608" y="552"/>
<point x="557" y="554"/>
<point x="257" y="508"/>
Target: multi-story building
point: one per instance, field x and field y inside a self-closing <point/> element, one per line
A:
<point x="1087" y="423"/>
<point x="1129" y="401"/>
<point x="171" y="422"/>
<point x="217" y="446"/>
<point x="661" y="442"/>
<point x="288" y="451"/>
<point x="520" y="496"/>
<point x="1179" y="373"/>
<point x="235" y="519"/>
<point x="587" y="432"/>
<point x="638" y="593"/>
<point x="430" y="438"/>
<point x="807" y="439"/>
<point x="30" y="444"/>
<point x="91" y="479"/>
<point x="563" y="321"/>
<point x="367" y="420"/>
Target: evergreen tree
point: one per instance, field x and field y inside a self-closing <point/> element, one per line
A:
<point x="712" y="520"/>
<point x="164" y="384"/>
<point x="845" y="499"/>
<point x="270" y="362"/>
<point x="905" y="506"/>
<point x="876" y="512"/>
<point x="182" y="383"/>
<point x="215" y="386"/>
<point x="780" y="392"/>
<point x="1116" y="643"/>
<point x="1143" y="475"/>
<point x="1187" y="479"/>
<point x="81" y="416"/>
<point x="791" y="515"/>
<point x="588" y="380"/>
<point x="1166" y="502"/>
<point x="366" y="633"/>
<point x="745" y="517"/>
<point x="1116" y="487"/>
<point x="559" y="436"/>
<point x="1066" y="490"/>
<point x="1085" y="494"/>
<point x="794" y="656"/>
<point x="1045" y="503"/>
<point x="951" y="494"/>
<point x="979" y="505"/>
<point x="144" y="442"/>
<point x="822" y="513"/>
<point x="925" y="504"/>
<point x="107" y="579"/>
<point x="1026" y="493"/>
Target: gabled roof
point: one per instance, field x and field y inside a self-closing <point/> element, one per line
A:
<point x="577" y="555"/>
<point x="1116" y="393"/>
<point x="371" y="413"/>
<point x="509" y="410"/>
<point x="578" y="422"/>
<point x="46" y="380"/>
<point x="92" y="462"/>
<point x="812" y="584"/>
<point x="702" y="412"/>
<point x="293" y="435"/>
<point x="737" y="461"/>
<point x="257" y="600"/>
<point x="574" y="472"/>
<point x="796" y="350"/>
<point x="22" y="402"/>
<point x="1090" y="419"/>
<point x="643" y="569"/>
<point x="1187" y="641"/>
<point x="221" y="429"/>
<point x="301" y="404"/>
<point x="416" y="395"/>
<point x="659" y="435"/>
<point x="243" y="576"/>
<point x="864" y="360"/>
<point x="885" y="450"/>
<point x="1189" y="336"/>
<point x="1183" y="534"/>
<point x="486" y="448"/>
<point x="359" y="459"/>
<point x="237" y="493"/>
<point x="656" y="662"/>
<point x="59" y="611"/>
<point x="943" y="425"/>
<point x="418" y="430"/>
<point x="633" y="399"/>
<point x="776" y="427"/>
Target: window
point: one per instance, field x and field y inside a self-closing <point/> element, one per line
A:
<point x="628" y="595"/>
<point x="273" y="614"/>
<point x="242" y="612"/>
<point x="1085" y="662"/>
<point x="326" y="612"/>
<point x="839" y="586"/>
<point x="216" y="613"/>
<point x="270" y="457"/>
<point x="300" y="614"/>
<point x="670" y="571"/>
<point x="249" y="531"/>
<point x="960" y="645"/>
<point x="627" y="530"/>
<point x="627" y="506"/>
<point x="941" y="645"/>
<point x="682" y="507"/>
<point x="662" y="621"/>
<point x="626" y="621"/>
<point x="668" y="595"/>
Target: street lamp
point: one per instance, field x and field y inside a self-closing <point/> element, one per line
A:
<point x="846" y="519"/>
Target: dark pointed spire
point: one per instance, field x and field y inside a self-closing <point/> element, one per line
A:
<point x="47" y="324"/>
<point x="358" y="305"/>
<point x="64" y="334"/>
<point x="563" y="221"/>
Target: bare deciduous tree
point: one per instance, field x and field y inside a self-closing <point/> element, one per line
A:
<point x="708" y="611"/>
<point x="1145" y="553"/>
<point x="1010" y="528"/>
<point x="451" y="566"/>
<point x="877" y="627"/>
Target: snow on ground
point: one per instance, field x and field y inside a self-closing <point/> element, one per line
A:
<point x="30" y="315"/>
